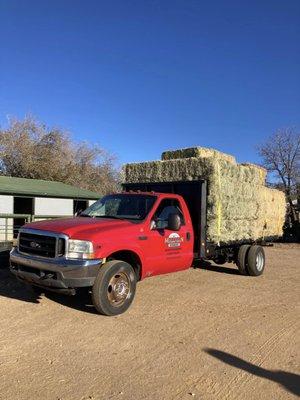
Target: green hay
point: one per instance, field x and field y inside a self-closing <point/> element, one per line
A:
<point x="198" y="152"/>
<point x="239" y="206"/>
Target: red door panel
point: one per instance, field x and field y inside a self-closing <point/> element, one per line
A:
<point x="169" y="251"/>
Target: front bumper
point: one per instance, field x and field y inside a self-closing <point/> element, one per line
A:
<point x="57" y="274"/>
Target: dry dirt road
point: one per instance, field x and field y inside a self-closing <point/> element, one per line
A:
<point x="201" y="334"/>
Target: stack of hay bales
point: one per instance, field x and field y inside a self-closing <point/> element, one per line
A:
<point x="239" y="205"/>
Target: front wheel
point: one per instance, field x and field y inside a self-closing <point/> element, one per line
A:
<point x="114" y="288"/>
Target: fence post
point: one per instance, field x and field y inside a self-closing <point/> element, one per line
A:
<point x="6" y="228"/>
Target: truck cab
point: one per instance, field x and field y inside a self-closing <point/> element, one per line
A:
<point x="117" y="241"/>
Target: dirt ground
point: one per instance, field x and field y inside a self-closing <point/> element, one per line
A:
<point x="201" y="334"/>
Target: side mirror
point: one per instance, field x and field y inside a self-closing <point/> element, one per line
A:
<point x="174" y="222"/>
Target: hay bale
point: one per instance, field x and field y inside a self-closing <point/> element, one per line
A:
<point x="239" y="206"/>
<point x="163" y="171"/>
<point x="260" y="171"/>
<point x="272" y="202"/>
<point x="198" y="152"/>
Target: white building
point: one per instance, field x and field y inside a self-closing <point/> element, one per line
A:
<point x="38" y="198"/>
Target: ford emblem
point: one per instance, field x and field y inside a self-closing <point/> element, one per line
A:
<point x="35" y="245"/>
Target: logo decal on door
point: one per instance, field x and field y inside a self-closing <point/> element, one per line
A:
<point x="173" y="241"/>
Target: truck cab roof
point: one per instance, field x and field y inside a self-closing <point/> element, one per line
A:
<point x="152" y="193"/>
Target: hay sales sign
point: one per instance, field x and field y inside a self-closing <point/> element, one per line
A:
<point x="173" y="241"/>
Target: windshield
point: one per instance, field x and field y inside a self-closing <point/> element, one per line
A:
<point x="121" y="206"/>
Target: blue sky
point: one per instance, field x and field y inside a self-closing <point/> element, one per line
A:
<point x="140" y="77"/>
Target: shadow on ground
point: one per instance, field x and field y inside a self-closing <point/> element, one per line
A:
<point x="81" y="301"/>
<point x="208" y="266"/>
<point x="12" y="288"/>
<point x="288" y="380"/>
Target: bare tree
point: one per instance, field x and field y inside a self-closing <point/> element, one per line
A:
<point x="30" y="149"/>
<point x="281" y="156"/>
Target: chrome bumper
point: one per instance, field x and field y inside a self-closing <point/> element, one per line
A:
<point x="56" y="273"/>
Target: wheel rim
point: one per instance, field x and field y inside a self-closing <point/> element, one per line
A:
<point x="260" y="261"/>
<point x="119" y="288"/>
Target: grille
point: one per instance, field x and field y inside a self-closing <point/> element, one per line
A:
<point x="41" y="245"/>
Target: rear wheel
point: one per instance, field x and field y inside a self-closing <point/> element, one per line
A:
<point x="114" y="288"/>
<point x="256" y="260"/>
<point x="242" y="259"/>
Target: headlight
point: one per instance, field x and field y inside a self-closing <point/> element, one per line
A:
<point x="80" y="249"/>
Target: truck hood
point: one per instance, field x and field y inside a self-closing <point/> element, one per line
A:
<point x="81" y="227"/>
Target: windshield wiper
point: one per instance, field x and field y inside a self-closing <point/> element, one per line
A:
<point x="100" y="216"/>
<point x="103" y="216"/>
<point x="109" y="216"/>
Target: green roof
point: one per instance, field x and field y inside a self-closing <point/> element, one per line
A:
<point x="40" y="188"/>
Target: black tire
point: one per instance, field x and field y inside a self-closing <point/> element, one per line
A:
<point x="242" y="258"/>
<point x="114" y="288"/>
<point x="256" y="260"/>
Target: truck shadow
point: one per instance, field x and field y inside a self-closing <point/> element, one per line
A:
<point x="208" y="266"/>
<point x="288" y="380"/>
<point x="81" y="301"/>
<point x="10" y="287"/>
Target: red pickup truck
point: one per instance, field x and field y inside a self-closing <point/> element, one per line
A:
<point x="121" y="239"/>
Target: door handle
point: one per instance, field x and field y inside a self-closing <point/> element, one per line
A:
<point x="188" y="236"/>
<point x="143" y="237"/>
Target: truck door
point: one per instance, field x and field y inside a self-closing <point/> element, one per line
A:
<point x="169" y="251"/>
